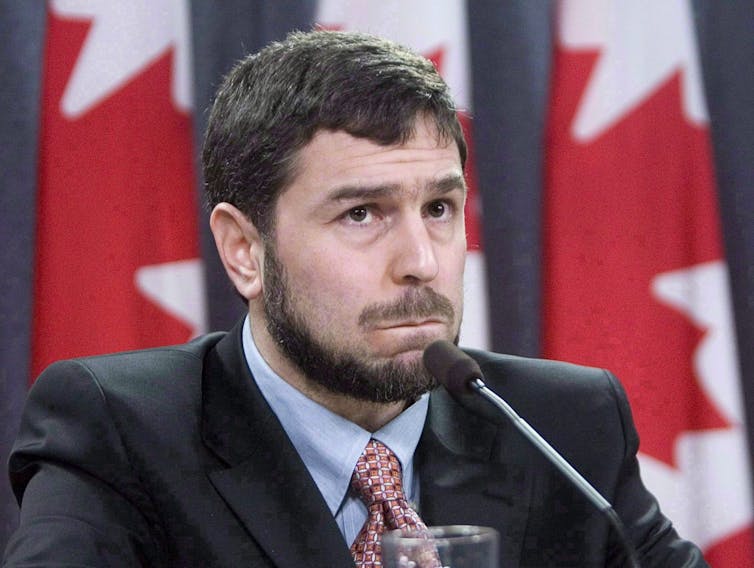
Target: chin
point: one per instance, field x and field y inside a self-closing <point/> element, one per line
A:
<point x="408" y="356"/>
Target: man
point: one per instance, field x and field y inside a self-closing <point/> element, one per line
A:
<point x="334" y="167"/>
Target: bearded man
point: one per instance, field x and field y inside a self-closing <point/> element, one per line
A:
<point x="334" y="168"/>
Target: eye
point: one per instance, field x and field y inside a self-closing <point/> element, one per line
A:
<point x="358" y="214"/>
<point x="438" y="209"/>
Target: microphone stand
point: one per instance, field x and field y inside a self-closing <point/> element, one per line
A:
<point x="561" y="464"/>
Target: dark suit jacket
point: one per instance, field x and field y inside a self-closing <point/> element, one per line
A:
<point x="171" y="457"/>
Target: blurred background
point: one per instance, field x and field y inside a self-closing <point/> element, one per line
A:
<point x="610" y="219"/>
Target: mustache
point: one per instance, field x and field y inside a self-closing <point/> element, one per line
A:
<point x="416" y="303"/>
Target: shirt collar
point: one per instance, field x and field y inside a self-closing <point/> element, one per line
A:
<point x="328" y="444"/>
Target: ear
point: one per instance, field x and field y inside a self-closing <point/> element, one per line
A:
<point x="240" y="247"/>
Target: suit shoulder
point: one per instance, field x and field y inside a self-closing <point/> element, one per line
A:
<point x="545" y="372"/>
<point x="155" y="360"/>
<point x="542" y="387"/>
<point x="156" y="373"/>
<point x="576" y="408"/>
<point x="195" y="349"/>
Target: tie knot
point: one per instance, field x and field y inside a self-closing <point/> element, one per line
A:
<point x="377" y="479"/>
<point x="377" y="476"/>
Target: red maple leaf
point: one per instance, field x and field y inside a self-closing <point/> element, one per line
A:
<point x="635" y="202"/>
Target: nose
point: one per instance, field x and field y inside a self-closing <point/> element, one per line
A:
<point x="414" y="255"/>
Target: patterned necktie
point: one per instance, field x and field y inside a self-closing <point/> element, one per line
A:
<point x="378" y="481"/>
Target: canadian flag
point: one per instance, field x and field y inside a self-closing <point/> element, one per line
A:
<point x="116" y="254"/>
<point x="636" y="279"/>
<point x="437" y="31"/>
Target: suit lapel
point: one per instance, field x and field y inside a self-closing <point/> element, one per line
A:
<point x="265" y="483"/>
<point x="469" y="474"/>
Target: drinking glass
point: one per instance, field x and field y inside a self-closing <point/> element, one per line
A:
<point x="454" y="546"/>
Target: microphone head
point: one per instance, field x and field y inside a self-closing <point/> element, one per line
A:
<point x="451" y="366"/>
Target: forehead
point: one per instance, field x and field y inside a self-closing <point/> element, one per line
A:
<point x="335" y="158"/>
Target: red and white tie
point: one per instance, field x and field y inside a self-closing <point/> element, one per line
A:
<point x="377" y="479"/>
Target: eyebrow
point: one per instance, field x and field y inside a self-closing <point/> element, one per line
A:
<point x="436" y="187"/>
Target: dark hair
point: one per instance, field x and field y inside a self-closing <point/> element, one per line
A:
<point x="272" y="104"/>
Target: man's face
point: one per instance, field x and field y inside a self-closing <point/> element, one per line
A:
<point x="367" y="263"/>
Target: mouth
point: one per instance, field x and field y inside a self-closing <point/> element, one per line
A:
<point x="407" y="338"/>
<point x="424" y="323"/>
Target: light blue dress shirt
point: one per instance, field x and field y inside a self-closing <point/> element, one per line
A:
<point x="330" y="445"/>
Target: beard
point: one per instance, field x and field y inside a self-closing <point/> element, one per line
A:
<point x="338" y="369"/>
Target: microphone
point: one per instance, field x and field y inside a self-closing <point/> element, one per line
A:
<point x="461" y="375"/>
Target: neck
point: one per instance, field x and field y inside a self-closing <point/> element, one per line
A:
<point x="370" y="416"/>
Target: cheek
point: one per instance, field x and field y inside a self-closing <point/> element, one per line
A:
<point x="453" y="283"/>
<point x="328" y="291"/>
<point x="455" y="266"/>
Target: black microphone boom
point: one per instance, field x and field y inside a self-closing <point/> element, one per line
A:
<point x="460" y="374"/>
